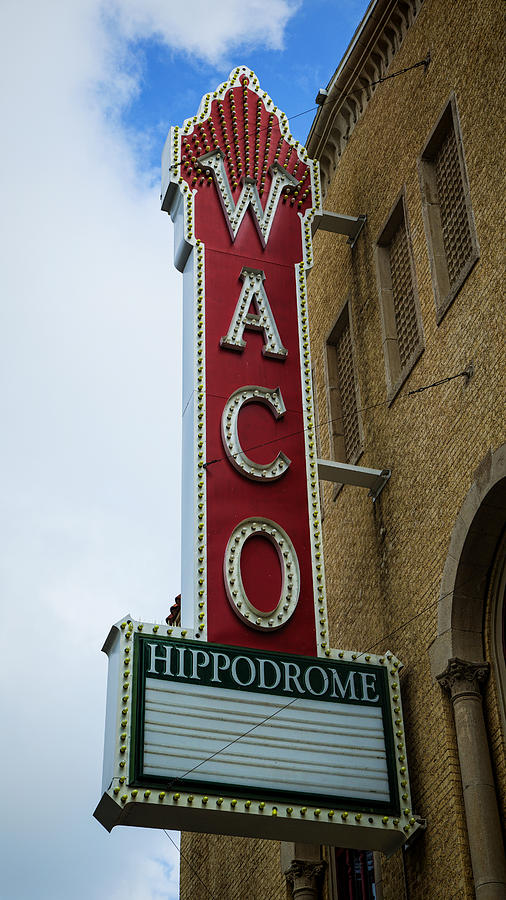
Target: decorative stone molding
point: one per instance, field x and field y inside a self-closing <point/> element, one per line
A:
<point x="304" y="876"/>
<point x="462" y="680"/>
<point x="461" y="677"/>
<point x="300" y="869"/>
<point x="375" y="44"/>
<point x="473" y="544"/>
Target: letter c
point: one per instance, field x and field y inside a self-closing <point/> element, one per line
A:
<point x="230" y="434"/>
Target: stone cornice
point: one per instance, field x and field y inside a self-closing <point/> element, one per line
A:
<point x="372" y="49"/>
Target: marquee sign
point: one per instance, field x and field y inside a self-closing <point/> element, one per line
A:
<point x="224" y="739"/>
<point x="244" y="720"/>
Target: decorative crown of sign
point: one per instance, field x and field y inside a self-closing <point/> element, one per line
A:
<point x="241" y="141"/>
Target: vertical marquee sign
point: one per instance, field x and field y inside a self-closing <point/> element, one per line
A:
<point x="244" y="720"/>
<point x="242" y="193"/>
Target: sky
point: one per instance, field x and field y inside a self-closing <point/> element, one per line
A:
<point x="90" y="398"/>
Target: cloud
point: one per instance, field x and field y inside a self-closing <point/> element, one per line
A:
<point x="90" y="450"/>
<point x="208" y="32"/>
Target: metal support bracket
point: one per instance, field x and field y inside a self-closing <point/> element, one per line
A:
<point x="360" y="476"/>
<point x="417" y="833"/>
<point x="338" y="223"/>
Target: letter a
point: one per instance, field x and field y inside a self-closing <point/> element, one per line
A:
<point x="253" y="291"/>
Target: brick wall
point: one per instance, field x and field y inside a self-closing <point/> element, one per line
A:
<point x="384" y="561"/>
<point x="230" y="869"/>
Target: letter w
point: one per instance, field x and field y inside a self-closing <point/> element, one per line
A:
<point x="235" y="212"/>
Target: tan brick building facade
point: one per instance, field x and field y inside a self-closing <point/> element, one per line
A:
<point x="418" y="299"/>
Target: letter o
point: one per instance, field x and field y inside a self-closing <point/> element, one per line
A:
<point x="290" y="583"/>
<point x="325" y="680"/>
<point x="251" y="670"/>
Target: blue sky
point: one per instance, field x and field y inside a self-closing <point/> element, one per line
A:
<point x="90" y="366"/>
<point x="171" y="81"/>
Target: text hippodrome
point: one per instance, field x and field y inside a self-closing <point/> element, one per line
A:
<point x="226" y="669"/>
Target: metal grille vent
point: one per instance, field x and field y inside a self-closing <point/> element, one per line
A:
<point x="348" y="394"/>
<point x="403" y="296"/>
<point x="452" y="205"/>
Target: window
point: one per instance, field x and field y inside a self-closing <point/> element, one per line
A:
<point x="351" y="874"/>
<point x="448" y="216"/>
<point x="400" y="310"/>
<point x="345" y="423"/>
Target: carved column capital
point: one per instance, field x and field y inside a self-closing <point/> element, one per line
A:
<point x="303" y="876"/>
<point x="462" y="677"/>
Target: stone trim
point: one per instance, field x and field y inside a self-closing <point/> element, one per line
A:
<point x="444" y="290"/>
<point x="304" y="877"/>
<point x="372" y="49"/>
<point x="300" y="869"/>
<point x="457" y="662"/>
<point x="472" y="546"/>
<point x="462" y="678"/>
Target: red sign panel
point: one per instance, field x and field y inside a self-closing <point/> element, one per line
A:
<point x="242" y="193"/>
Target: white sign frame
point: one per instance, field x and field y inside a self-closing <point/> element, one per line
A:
<point x="135" y="797"/>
